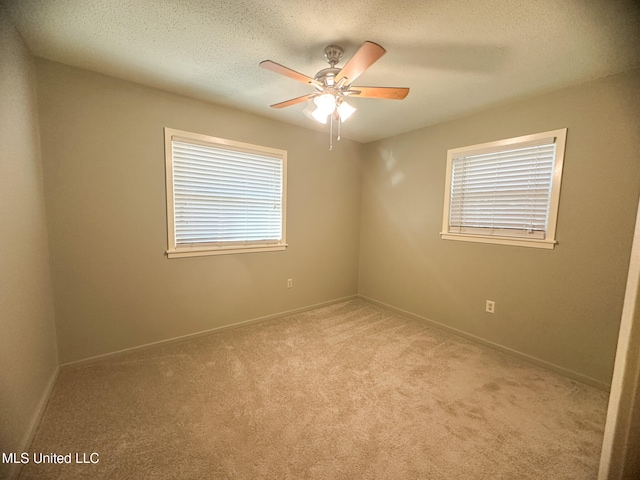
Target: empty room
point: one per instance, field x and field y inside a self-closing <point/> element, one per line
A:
<point x="319" y="240"/>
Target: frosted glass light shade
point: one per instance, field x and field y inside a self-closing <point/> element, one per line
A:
<point x="319" y="116"/>
<point x="326" y="103"/>
<point x="345" y="110"/>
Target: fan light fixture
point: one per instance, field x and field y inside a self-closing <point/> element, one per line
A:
<point x="326" y="103"/>
<point x="329" y="106"/>
<point x="333" y="85"/>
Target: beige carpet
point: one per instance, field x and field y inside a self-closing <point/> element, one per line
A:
<point x="349" y="391"/>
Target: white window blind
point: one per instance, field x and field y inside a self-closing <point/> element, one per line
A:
<point x="502" y="193"/>
<point x="507" y="190"/>
<point x="225" y="198"/>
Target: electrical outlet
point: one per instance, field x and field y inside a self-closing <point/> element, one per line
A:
<point x="490" y="306"/>
<point x="289" y="282"/>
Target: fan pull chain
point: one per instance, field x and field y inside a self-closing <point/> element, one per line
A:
<point x="331" y="129"/>
<point x="330" y="132"/>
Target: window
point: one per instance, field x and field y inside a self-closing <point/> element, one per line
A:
<point x="223" y="196"/>
<point x="505" y="192"/>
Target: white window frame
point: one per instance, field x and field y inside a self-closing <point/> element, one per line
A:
<point x="220" y="248"/>
<point x="549" y="241"/>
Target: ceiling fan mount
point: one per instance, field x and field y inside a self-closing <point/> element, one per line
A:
<point x="333" y="54"/>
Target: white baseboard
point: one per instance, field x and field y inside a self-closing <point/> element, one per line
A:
<point x="183" y="338"/>
<point x="34" y="424"/>
<point x="528" y="358"/>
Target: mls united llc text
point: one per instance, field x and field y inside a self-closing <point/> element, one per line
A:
<point x="35" y="457"/>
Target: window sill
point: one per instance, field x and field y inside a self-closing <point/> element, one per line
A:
<point x="205" y="251"/>
<point x="516" y="242"/>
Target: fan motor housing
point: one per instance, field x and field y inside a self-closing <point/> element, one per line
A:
<point x="326" y="76"/>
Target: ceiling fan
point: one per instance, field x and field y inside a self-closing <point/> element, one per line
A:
<point x="334" y="85"/>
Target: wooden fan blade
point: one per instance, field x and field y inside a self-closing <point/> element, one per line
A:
<point x="293" y="101"/>
<point x="287" y="72"/>
<point x="366" y="56"/>
<point x="392" y="93"/>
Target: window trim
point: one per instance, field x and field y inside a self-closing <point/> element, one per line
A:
<point x="559" y="138"/>
<point x="227" y="248"/>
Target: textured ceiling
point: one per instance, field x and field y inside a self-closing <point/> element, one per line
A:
<point x="456" y="56"/>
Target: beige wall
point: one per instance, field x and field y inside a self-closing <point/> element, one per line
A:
<point x="28" y="360"/>
<point x="103" y="157"/>
<point x="561" y="306"/>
